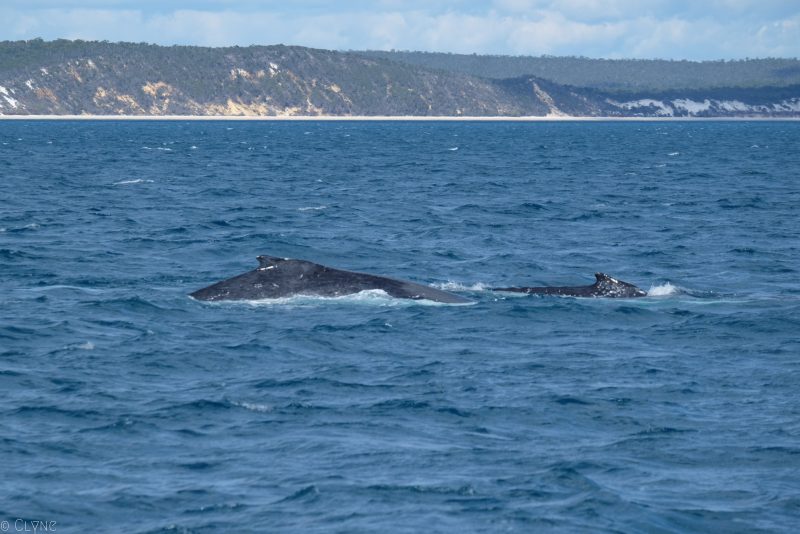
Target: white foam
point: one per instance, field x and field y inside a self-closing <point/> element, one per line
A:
<point x="673" y="154"/>
<point x="664" y="290"/>
<point x="458" y="286"/>
<point x="253" y="407"/>
<point x="312" y="208"/>
<point x="86" y="346"/>
<point x="137" y="181"/>
<point x="370" y="297"/>
<point x="453" y="149"/>
<point x="375" y="296"/>
<point x="512" y="294"/>
<point x="3" y="90"/>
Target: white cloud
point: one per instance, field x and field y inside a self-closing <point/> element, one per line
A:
<point x="612" y="28"/>
<point x="552" y="33"/>
<point x="584" y="10"/>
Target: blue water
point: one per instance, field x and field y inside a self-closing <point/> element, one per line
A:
<point x="127" y="406"/>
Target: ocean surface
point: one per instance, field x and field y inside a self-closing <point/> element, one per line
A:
<point x="127" y="406"/>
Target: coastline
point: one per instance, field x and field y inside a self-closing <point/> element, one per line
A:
<point x="333" y="118"/>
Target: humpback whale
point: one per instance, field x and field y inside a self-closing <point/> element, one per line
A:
<point x="285" y="277"/>
<point x="605" y="286"/>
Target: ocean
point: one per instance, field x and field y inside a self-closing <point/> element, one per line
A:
<point x="129" y="407"/>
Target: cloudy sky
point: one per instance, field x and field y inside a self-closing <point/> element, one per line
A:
<point x="677" y="29"/>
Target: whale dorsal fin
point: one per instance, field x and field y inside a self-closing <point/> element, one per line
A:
<point x="602" y="277"/>
<point x="269" y="261"/>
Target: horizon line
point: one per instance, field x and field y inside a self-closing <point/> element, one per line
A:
<point x="396" y="51"/>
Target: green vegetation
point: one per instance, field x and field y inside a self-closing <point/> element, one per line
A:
<point x="75" y="77"/>
<point x="612" y="74"/>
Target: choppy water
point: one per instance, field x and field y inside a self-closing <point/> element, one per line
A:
<point x="127" y="406"/>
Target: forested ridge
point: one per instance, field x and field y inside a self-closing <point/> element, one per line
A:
<point x="612" y="74"/>
<point x="65" y="77"/>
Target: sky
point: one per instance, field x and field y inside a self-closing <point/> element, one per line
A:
<point x="670" y="29"/>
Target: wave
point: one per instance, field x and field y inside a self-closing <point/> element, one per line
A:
<point x="58" y="287"/>
<point x="50" y="411"/>
<point x="137" y="181"/>
<point x="466" y="490"/>
<point x="12" y="254"/>
<point x="316" y="382"/>
<point x="30" y="226"/>
<point x="307" y="493"/>
<point x="128" y="303"/>
<point x="458" y="286"/>
<point x="664" y="290"/>
<point x="378" y="297"/>
<point x="253" y="407"/>
<point x="205" y="406"/>
<point x="668" y="289"/>
<point x="370" y="297"/>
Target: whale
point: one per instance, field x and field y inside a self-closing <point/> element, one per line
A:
<point x="286" y="277"/>
<point x="605" y="286"/>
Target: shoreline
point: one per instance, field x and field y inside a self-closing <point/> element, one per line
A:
<point x="378" y="118"/>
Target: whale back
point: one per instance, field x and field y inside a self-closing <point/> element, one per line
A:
<point x="604" y="286"/>
<point x="607" y="286"/>
<point x="269" y="261"/>
<point x="284" y="277"/>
